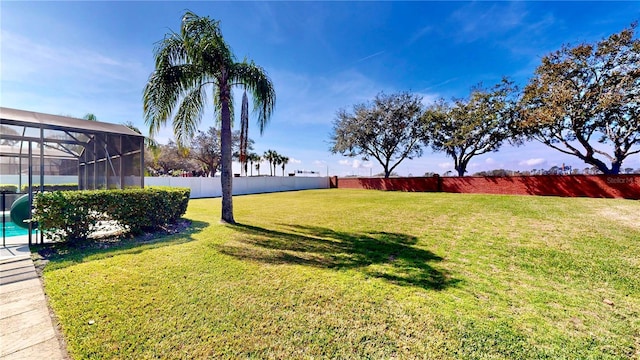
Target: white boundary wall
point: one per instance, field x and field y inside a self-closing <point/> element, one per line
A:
<point x="204" y="187"/>
<point x="13" y="179"/>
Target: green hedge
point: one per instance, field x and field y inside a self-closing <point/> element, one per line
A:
<point x="9" y="188"/>
<point x="73" y="215"/>
<point x="51" y="187"/>
<point x="47" y="187"/>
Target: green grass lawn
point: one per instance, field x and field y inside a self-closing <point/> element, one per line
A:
<point x="364" y="274"/>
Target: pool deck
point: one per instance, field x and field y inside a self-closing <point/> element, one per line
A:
<point x="15" y="246"/>
<point x="26" y="327"/>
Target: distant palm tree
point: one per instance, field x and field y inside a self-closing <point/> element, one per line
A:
<point x="283" y="161"/>
<point x="271" y="156"/>
<point x="244" y="132"/>
<point x="187" y="65"/>
<point x="253" y="158"/>
<point x="276" y="162"/>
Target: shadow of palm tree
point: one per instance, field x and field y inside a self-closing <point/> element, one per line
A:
<point x="64" y="254"/>
<point x="385" y="255"/>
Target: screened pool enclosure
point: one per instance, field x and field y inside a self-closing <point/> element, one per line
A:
<point x="40" y="152"/>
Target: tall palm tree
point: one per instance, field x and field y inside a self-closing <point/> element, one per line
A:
<point x="190" y="63"/>
<point x="283" y="161"/>
<point x="258" y="160"/>
<point x="270" y="156"/>
<point x="244" y="132"/>
<point x="253" y="158"/>
<point x="276" y="162"/>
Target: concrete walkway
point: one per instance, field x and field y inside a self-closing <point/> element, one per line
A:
<point x="26" y="328"/>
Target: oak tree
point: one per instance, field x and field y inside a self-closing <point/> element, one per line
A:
<point x="585" y="101"/>
<point x="474" y="126"/>
<point x="387" y="129"/>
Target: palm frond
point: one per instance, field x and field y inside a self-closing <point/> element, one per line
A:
<point x="189" y="114"/>
<point x="256" y="81"/>
<point x="204" y="43"/>
<point x="170" y="51"/>
<point x="163" y="91"/>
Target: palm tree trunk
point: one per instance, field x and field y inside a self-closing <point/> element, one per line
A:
<point x="225" y="145"/>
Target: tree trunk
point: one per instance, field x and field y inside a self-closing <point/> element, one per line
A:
<point x="461" y="168"/>
<point x="225" y="142"/>
<point x="615" y="166"/>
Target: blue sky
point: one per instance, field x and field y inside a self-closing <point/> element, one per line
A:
<point x="73" y="58"/>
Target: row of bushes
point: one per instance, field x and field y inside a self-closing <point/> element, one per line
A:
<point x="10" y="188"/>
<point x="73" y="215"/>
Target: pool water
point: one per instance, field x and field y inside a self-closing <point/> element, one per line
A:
<point x="11" y="229"/>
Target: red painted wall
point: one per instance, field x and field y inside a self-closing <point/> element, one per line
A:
<point x="421" y="184"/>
<point x="596" y="186"/>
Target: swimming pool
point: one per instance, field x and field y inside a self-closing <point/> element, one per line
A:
<point x="11" y="229"/>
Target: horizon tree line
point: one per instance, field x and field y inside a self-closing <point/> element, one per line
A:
<point x="203" y="156"/>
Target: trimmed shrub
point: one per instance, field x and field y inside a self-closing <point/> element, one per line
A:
<point x="73" y="215"/>
<point x="9" y="188"/>
<point x="51" y="187"/>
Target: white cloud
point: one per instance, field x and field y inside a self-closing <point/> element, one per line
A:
<point x="312" y="99"/>
<point x="480" y="20"/>
<point x="309" y="99"/>
<point x="445" y="165"/>
<point x="356" y="164"/>
<point x="294" y="161"/>
<point x="319" y="163"/>
<point x="428" y="98"/>
<point x="419" y="34"/>
<point x="490" y="161"/>
<point x="24" y="58"/>
<point x="532" y="162"/>
<point x="71" y="80"/>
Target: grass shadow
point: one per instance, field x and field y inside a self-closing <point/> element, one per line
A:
<point x="390" y="256"/>
<point x="64" y="254"/>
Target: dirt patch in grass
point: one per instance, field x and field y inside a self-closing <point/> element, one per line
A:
<point x="624" y="216"/>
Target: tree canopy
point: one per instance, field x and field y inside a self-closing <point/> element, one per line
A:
<point x="585" y="101"/>
<point x="170" y="159"/>
<point x="205" y="148"/>
<point x="388" y="129"/>
<point x="472" y="127"/>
